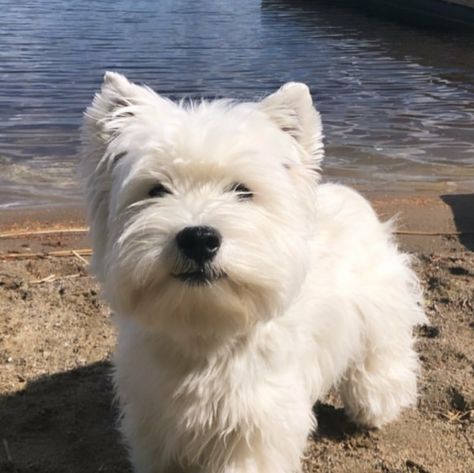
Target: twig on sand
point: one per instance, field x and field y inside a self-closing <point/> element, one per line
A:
<point x="422" y="233"/>
<point x="77" y="255"/>
<point x="80" y="253"/>
<point x="49" y="278"/>
<point x="53" y="277"/>
<point x="456" y="416"/>
<point x="8" y="455"/>
<point x="58" y="253"/>
<point x="6" y="449"/>
<point x="23" y="233"/>
<point x="26" y="233"/>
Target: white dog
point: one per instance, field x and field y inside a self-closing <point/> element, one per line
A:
<point x="242" y="289"/>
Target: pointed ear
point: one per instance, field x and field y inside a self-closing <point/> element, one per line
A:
<point x="114" y="101"/>
<point x="112" y="109"/>
<point x="291" y="108"/>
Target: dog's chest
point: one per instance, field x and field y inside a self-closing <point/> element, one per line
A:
<point x="220" y="392"/>
<point x="191" y="408"/>
<point x="221" y="400"/>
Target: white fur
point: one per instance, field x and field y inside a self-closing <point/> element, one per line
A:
<point x="221" y="378"/>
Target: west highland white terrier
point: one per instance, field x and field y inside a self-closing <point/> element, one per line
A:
<point x="242" y="290"/>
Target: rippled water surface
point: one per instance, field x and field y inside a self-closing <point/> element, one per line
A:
<point x="397" y="103"/>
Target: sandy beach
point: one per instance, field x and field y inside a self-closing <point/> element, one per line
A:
<point x="56" y="338"/>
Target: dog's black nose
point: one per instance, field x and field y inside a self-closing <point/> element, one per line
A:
<point x="199" y="243"/>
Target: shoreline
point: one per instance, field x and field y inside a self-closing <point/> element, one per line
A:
<point x="425" y="222"/>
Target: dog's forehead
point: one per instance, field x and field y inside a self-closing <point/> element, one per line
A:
<point x="203" y="161"/>
<point x="216" y="122"/>
<point x="209" y="138"/>
<point x="233" y="133"/>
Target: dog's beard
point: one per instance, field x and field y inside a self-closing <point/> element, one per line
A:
<point x="193" y="274"/>
<point x="184" y="299"/>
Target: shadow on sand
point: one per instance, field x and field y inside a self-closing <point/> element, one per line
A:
<point x="334" y="424"/>
<point x="64" y="423"/>
<point x="462" y="207"/>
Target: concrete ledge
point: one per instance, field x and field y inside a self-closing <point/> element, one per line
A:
<point x="448" y="14"/>
<point x="464" y="3"/>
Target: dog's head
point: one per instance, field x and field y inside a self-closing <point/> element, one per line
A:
<point x="200" y="212"/>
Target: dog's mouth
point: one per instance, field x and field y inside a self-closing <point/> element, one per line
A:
<point x="200" y="276"/>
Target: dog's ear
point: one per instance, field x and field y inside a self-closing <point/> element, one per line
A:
<point x="118" y="106"/>
<point x="291" y="108"/>
<point x="111" y="110"/>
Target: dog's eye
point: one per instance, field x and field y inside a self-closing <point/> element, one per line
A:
<point x="242" y="191"/>
<point x="158" y="190"/>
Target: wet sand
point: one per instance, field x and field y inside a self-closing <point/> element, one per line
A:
<point x="56" y="340"/>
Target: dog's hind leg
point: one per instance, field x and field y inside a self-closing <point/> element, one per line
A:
<point x="375" y="388"/>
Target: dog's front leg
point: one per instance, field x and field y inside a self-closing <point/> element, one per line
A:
<point x="274" y="447"/>
<point x="259" y="459"/>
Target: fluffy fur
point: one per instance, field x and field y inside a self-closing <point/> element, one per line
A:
<point x="307" y="290"/>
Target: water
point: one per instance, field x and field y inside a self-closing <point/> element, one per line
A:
<point x="397" y="103"/>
